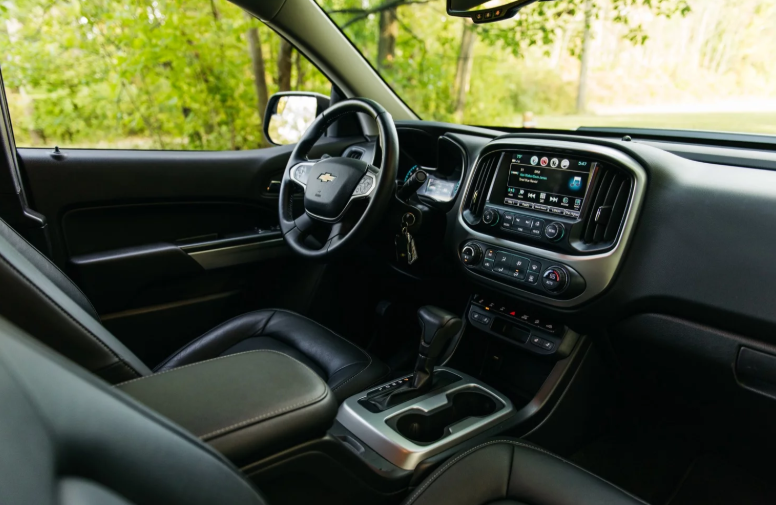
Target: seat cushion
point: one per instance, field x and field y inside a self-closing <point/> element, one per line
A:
<point x="345" y="367"/>
<point x="509" y="471"/>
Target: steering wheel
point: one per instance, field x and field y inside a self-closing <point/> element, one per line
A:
<point x="332" y="185"/>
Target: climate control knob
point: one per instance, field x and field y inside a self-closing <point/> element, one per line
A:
<point x="471" y="254"/>
<point x="554" y="231"/>
<point x="555" y="279"/>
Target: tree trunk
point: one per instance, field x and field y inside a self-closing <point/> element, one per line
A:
<point x="284" y="66"/>
<point x="259" y="74"/>
<point x="585" y="59"/>
<point x="463" y="71"/>
<point x="389" y="30"/>
<point x="300" y="72"/>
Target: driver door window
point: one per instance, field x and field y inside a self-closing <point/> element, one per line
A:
<point x="163" y="74"/>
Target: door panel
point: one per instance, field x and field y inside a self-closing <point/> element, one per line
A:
<point x="168" y="244"/>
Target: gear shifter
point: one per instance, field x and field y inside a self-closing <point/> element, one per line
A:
<point x="438" y="327"/>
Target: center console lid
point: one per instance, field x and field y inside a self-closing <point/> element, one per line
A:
<point x="247" y="406"/>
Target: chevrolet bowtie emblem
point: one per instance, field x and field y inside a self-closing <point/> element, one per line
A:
<point x="326" y="177"/>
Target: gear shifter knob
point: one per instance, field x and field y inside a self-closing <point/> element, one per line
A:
<point x="438" y="327"/>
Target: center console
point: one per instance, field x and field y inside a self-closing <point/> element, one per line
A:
<point x="411" y="432"/>
<point x="547" y="219"/>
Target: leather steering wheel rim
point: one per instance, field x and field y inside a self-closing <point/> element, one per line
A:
<point x="297" y="230"/>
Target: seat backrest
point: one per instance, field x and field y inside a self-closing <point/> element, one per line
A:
<point x="36" y="296"/>
<point x="68" y="438"/>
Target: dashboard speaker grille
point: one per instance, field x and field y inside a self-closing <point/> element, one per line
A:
<point x="610" y="200"/>
<point x="478" y="191"/>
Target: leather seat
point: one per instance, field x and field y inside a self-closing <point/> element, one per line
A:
<point x="38" y="297"/>
<point x="68" y="438"/>
<point x="509" y="471"/>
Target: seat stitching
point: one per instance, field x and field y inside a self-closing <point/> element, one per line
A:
<point x="206" y="361"/>
<point x="327" y="329"/>
<point x="55" y="266"/>
<point x="211" y="330"/>
<point x="447" y="465"/>
<point x="369" y="357"/>
<point x="69" y="316"/>
<point x="268" y="415"/>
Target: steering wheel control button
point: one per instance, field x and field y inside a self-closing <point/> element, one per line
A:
<point x="471" y="254"/>
<point x="364" y="186"/>
<point x="490" y="217"/>
<point x="554" y="279"/>
<point x="301" y="173"/>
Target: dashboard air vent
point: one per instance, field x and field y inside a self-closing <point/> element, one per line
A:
<point x="478" y="191"/>
<point x="610" y="200"/>
<point x="356" y="154"/>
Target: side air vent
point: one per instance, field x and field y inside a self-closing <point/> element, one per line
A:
<point x="478" y="191"/>
<point x="610" y="199"/>
<point x="356" y="154"/>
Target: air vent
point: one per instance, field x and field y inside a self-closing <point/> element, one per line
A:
<point x="478" y="191"/>
<point x="610" y="199"/>
<point x="356" y="154"/>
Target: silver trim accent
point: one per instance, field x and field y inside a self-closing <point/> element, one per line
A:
<point x="598" y="270"/>
<point x="240" y="254"/>
<point x="371" y="170"/>
<point x="373" y="430"/>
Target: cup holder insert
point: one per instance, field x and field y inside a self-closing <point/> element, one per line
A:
<point x="426" y="428"/>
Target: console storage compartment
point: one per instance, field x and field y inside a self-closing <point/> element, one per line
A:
<point x="247" y="406"/>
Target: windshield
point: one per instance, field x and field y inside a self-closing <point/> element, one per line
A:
<point x="671" y="64"/>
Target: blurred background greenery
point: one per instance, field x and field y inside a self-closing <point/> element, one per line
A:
<point x="196" y="74"/>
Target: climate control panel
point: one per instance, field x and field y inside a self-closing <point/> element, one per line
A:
<point x="517" y="269"/>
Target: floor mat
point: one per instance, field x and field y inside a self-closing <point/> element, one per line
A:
<point x="713" y="481"/>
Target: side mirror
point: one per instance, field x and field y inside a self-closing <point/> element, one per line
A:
<point x="486" y="11"/>
<point x="289" y="113"/>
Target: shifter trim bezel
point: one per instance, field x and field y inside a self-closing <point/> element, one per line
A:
<point x="373" y="428"/>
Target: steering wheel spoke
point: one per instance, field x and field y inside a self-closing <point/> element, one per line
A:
<point x="300" y="172"/>
<point x="366" y="186"/>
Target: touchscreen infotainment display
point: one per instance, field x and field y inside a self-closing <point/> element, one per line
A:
<point x="547" y="182"/>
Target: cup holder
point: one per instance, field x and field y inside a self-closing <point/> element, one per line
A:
<point x="425" y="428"/>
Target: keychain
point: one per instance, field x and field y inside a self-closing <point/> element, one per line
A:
<point x="405" y="243"/>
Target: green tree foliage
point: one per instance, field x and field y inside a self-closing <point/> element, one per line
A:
<point x="165" y="74"/>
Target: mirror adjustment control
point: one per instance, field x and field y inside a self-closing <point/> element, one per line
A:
<point x="471" y="254"/>
<point x="554" y="231"/>
<point x="555" y="279"/>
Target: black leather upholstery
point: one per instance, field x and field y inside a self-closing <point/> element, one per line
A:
<point x="68" y="439"/>
<point x="41" y="300"/>
<point x="508" y="471"/>
<point x="246" y="405"/>
<point x="345" y="367"/>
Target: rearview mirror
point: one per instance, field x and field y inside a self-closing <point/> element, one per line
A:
<point x="289" y="113"/>
<point x="486" y="11"/>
